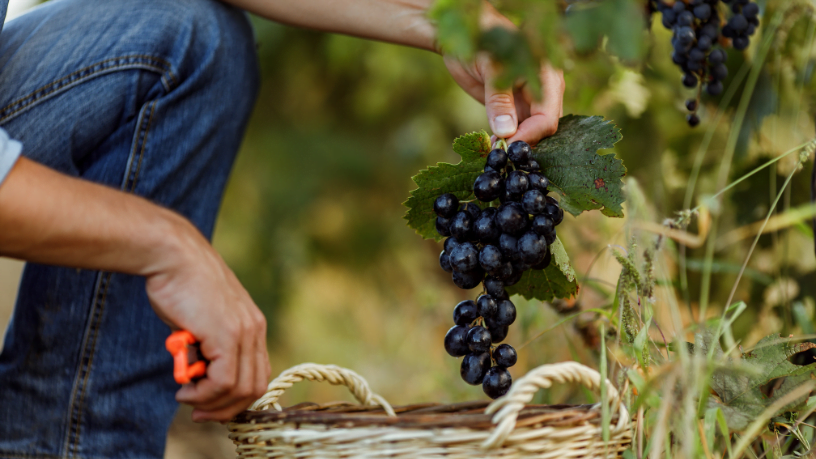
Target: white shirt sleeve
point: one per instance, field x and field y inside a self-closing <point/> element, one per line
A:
<point x="10" y="151"/>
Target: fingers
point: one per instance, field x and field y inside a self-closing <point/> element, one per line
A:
<point x="500" y="103"/>
<point x="544" y="114"/>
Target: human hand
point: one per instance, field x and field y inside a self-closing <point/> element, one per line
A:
<point x="506" y="108"/>
<point x="195" y="290"/>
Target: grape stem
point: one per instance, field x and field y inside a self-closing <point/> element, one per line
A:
<point x="501" y="143"/>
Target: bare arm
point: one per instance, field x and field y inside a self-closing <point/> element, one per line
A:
<point x="48" y="217"/>
<point x="512" y="113"/>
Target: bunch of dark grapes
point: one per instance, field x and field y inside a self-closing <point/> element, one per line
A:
<point x="494" y="246"/>
<point x="698" y="26"/>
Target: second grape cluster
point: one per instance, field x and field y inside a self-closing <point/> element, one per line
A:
<point x="495" y="246"/>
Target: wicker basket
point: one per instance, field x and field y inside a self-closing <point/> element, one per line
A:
<point x="506" y="428"/>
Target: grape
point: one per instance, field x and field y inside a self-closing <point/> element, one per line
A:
<point x="679" y="58"/>
<point x="444" y="262"/>
<point x="690" y="80"/>
<point x="490" y="258"/>
<point x="490" y="169"/>
<point x="534" y="166"/>
<point x="494" y="287"/>
<point x="443" y="226"/>
<point x="472" y="209"/>
<point x="468" y="280"/>
<point x="505" y="356"/>
<point x="450" y="243"/>
<point x="488" y="186"/>
<point x="534" y="202"/>
<point x="505" y="314"/>
<point x="545" y="262"/>
<point x="509" y="246"/>
<point x="697" y="55"/>
<point x="717" y="57"/>
<point x="514" y="278"/>
<point x="750" y="10"/>
<point x="751" y="30"/>
<point x="740" y="42"/>
<point x="511" y="219"/>
<point x="498" y="334"/>
<point x="669" y="17"/>
<point x="685" y="35"/>
<point x="691" y="105"/>
<point x="719" y="71"/>
<point x="485" y="228"/>
<point x="738" y="23"/>
<point x="464" y="257"/>
<point x="497" y="159"/>
<point x="693" y="66"/>
<point x="554" y="211"/>
<point x="538" y="181"/>
<point x="455" y="341"/>
<point x="679" y="7"/>
<point x="714" y="87"/>
<point x="710" y="31"/>
<point x="728" y="31"/>
<point x="519" y="152"/>
<point x="517" y="182"/>
<point x="446" y="205"/>
<point x="461" y="226"/>
<point x="474" y="367"/>
<point x="504" y="271"/>
<point x="704" y="43"/>
<point x="478" y="339"/>
<point x="692" y="120"/>
<point x="486" y="306"/>
<point x="686" y="18"/>
<point x="550" y="237"/>
<point x="532" y="248"/>
<point x="702" y="12"/>
<point x="543" y="224"/>
<point x="465" y="312"/>
<point x="496" y="382"/>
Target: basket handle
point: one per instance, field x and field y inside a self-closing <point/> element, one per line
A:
<point x="507" y="407"/>
<point x="315" y="372"/>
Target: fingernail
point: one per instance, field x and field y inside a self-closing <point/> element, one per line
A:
<point x="504" y="125"/>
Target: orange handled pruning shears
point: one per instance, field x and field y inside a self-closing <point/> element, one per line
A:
<point x="190" y="364"/>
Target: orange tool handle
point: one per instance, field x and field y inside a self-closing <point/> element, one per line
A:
<point x="186" y="367"/>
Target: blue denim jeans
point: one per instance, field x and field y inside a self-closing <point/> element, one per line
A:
<point x="150" y="97"/>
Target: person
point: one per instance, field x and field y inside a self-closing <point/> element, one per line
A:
<point x="120" y="123"/>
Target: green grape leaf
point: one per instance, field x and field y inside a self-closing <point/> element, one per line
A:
<point x="557" y="281"/>
<point x="446" y="178"/>
<point x="585" y="179"/>
<point x="457" y="26"/>
<point x="621" y="21"/>
<point x="768" y="375"/>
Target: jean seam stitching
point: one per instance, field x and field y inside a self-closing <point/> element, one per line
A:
<point x="89" y="350"/>
<point x="142" y="139"/>
<point x="10" y="455"/>
<point x="165" y="69"/>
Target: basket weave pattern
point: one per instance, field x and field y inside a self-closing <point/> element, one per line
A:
<point x="506" y="428"/>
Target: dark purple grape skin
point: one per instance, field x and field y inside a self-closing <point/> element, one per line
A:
<point x="719" y="71"/>
<point x="461" y="226"/>
<point x="691" y="105"/>
<point x="704" y="43"/>
<point x="750" y="10"/>
<point x="716" y="56"/>
<point x="505" y="356"/>
<point x="486" y="306"/>
<point x="450" y="244"/>
<point x="738" y="23"/>
<point x="545" y="262"/>
<point x="697" y="55"/>
<point x="519" y="152"/>
<point x="504" y="272"/>
<point x="532" y="248"/>
<point x="446" y="205"/>
<point x="478" y="339"/>
<point x="474" y="367"/>
<point x="509" y="246"/>
<point x="464" y="257"/>
<point x="506" y="314"/>
<point x="512" y="219"/>
<point x="455" y="341"/>
<point x="468" y="280"/>
<point x="714" y="88"/>
<point x="498" y="334"/>
<point x="514" y="278"/>
<point x="465" y="312"/>
<point x="485" y="228"/>
<point x="472" y="209"/>
<point x="534" y="202"/>
<point x="702" y="12"/>
<point x="740" y="43"/>
<point x="538" y="181"/>
<point x="686" y="18"/>
<point x="497" y="159"/>
<point x="494" y="287"/>
<point x="490" y="258"/>
<point x="690" y="80"/>
<point x="488" y="186"/>
<point x="542" y="224"/>
<point x="517" y="183"/>
<point x="444" y="262"/>
<point x="443" y="226"/>
<point x="496" y="382"/>
<point x="692" y="119"/>
<point x="554" y="211"/>
<point x="550" y="237"/>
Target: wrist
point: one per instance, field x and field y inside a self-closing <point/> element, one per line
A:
<point x="173" y="244"/>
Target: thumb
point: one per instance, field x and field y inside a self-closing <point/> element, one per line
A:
<point x="501" y="108"/>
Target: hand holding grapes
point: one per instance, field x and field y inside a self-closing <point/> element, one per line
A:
<point x="513" y="113"/>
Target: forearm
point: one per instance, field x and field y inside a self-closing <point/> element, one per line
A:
<point x="403" y="22"/>
<point x="50" y="218"/>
